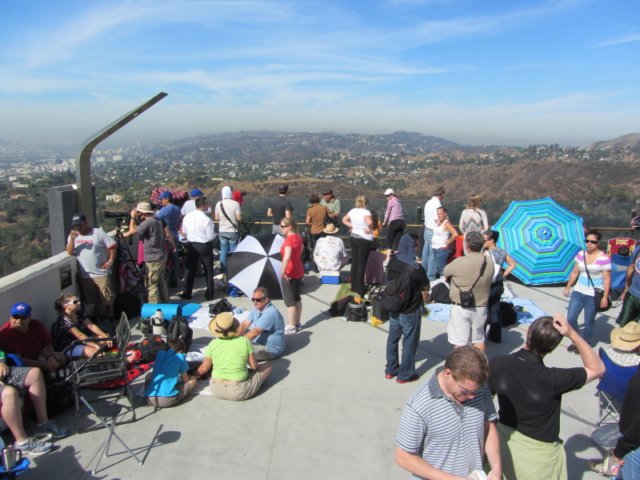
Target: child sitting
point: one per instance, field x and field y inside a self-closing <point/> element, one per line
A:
<point x="169" y="381"/>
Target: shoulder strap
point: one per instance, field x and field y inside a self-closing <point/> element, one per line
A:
<point x="586" y="268"/>
<point x="227" y="216"/>
<point x="482" y="269"/>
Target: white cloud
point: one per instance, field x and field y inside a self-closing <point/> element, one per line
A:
<point x="630" y="38"/>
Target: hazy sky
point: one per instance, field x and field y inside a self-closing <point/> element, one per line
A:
<point x="484" y="71"/>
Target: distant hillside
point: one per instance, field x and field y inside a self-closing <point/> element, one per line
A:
<point x="625" y="142"/>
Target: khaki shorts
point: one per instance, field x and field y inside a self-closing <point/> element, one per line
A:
<point x="98" y="291"/>
<point x="466" y="325"/>
<point x="237" y="390"/>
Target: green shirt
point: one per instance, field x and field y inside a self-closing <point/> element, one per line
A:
<point x="229" y="357"/>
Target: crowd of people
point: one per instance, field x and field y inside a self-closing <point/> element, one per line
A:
<point x="449" y="425"/>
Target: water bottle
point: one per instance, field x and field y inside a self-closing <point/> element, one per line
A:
<point x="157" y="322"/>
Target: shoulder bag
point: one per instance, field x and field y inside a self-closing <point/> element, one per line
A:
<point x="236" y="226"/>
<point x="467" y="300"/>
<point x="598" y="293"/>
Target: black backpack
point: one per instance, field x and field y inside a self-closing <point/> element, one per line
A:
<point x="179" y="328"/>
<point x="397" y="295"/>
<point x="150" y="346"/>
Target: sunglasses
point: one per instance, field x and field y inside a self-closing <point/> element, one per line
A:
<point x="284" y="226"/>
<point x="257" y="299"/>
<point x="20" y="317"/>
<point x="73" y="302"/>
<point x="595" y="242"/>
<point x="466" y="392"/>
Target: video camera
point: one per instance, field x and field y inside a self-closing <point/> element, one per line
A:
<point x="121" y="217"/>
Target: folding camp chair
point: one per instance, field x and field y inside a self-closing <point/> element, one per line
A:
<point x="612" y="388"/>
<point x="100" y="368"/>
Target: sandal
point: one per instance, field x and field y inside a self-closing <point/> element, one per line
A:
<point x="608" y="467"/>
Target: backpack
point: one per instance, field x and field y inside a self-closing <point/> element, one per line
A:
<point x="440" y="293"/>
<point x="396" y="297"/>
<point x="179" y="328"/>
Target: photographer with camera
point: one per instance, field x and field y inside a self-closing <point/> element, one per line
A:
<point x="96" y="254"/>
<point x="152" y="233"/>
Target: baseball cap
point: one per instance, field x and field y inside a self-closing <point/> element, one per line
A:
<point x="166" y="194"/>
<point x="78" y="218"/>
<point x="389" y="191"/>
<point x="144" y="207"/>
<point x="21" y="308"/>
<point x="196" y="192"/>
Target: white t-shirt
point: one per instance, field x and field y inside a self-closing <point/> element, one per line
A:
<point x="440" y="235"/>
<point x="431" y="212"/>
<point x="359" y="225"/>
<point x="232" y="209"/>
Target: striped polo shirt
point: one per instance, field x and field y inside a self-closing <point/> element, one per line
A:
<point x="446" y="434"/>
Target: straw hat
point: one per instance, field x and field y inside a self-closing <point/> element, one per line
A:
<point x="224" y="325"/>
<point x="330" y="229"/>
<point x="626" y="338"/>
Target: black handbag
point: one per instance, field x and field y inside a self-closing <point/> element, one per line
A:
<point x="598" y="293"/>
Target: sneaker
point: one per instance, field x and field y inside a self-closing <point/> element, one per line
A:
<point x="290" y="329"/>
<point x="298" y="328"/>
<point x="607" y="467"/>
<point x="34" y="447"/>
<point x="53" y="430"/>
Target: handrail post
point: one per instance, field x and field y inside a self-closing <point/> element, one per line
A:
<point x="83" y="163"/>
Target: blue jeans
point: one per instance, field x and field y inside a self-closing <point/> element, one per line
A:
<point x="428" y="258"/>
<point x="577" y="303"/>
<point x="441" y="255"/>
<point x="228" y="242"/>
<point x="631" y="468"/>
<point x="407" y="326"/>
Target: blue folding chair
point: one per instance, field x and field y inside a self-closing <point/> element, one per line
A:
<point x="612" y="388"/>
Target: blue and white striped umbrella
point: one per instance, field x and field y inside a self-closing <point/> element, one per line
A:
<point x="543" y="237"/>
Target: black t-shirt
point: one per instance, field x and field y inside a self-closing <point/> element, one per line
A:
<point x="418" y="279"/>
<point x="530" y="394"/>
<point x="279" y="205"/>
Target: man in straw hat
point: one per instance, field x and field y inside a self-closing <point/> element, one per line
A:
<point x="153" y="234"/>
<point x="625" y="345"/>
<point x="624" y="459"/>
<point x="229" y="354"/>
<point x="330" y="254"/>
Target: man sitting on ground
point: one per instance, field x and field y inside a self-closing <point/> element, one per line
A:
<point x="16" y="381"/>
<point x="530" y="396"/>
<point x="329" y="253"/>
<point x="30" y="339"/>
<point x="625" y="345"/>
<point x="265" y="327"/>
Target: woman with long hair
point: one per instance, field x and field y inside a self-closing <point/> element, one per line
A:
<point x="358" y="220"/>
<point x="499" y="257"/>
<point x="72" y="324"/>
<point x="592" y="269"/>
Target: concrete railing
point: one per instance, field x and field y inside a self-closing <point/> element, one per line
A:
<point x="39" y="285"/>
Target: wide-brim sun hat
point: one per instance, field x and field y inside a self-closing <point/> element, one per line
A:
<point x="330" y="229"/>
<point x="626" y="338"/>
<point x="224" y="325"/>
<point x="144" y="207"/>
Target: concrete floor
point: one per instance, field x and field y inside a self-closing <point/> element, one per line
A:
<point x="326" y="412"/>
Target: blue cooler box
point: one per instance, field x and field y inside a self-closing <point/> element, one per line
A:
<point x="330" y="278"/>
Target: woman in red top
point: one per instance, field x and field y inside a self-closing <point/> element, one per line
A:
<point x="292" y="273"/>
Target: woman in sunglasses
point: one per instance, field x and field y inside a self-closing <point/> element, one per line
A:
<point x="592" y="269"/>
<point x="72" y="324"/>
